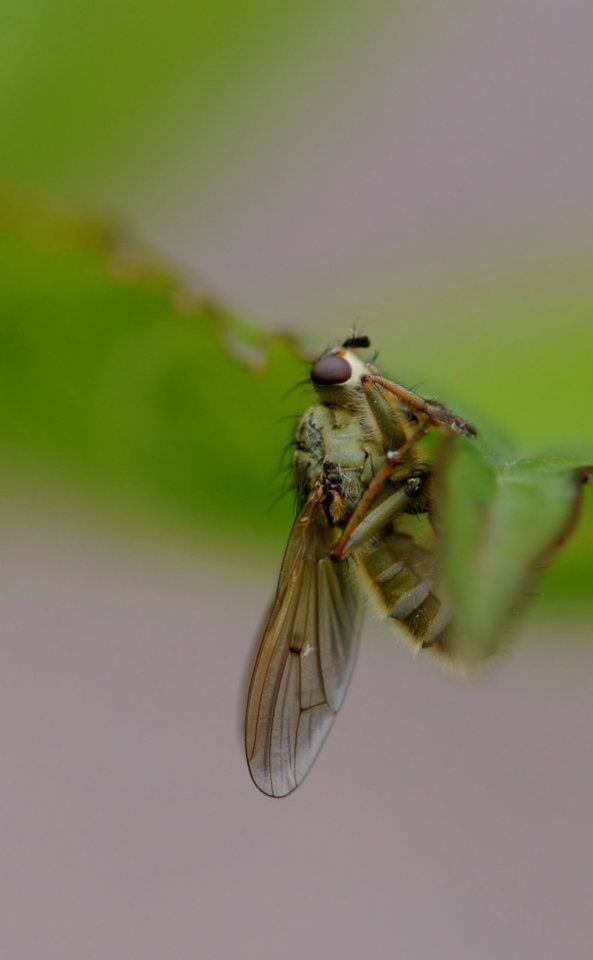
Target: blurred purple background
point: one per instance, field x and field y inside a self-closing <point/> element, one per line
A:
<point x="442" y="819"/>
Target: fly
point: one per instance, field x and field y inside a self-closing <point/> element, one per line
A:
<point x="359" y="474"/>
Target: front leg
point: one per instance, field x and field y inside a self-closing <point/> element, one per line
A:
<point x="436" y="412"/>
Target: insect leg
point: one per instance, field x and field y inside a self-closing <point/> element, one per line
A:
<point x="376" y="518"/>
<point x="394" y="427"/>
<point x="437" y="412"/>
<point x="392" y="459"/>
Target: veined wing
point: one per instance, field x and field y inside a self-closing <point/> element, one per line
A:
<point x="306" y="657"/>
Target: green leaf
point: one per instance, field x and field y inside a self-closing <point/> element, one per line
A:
<point x="113" y="375"/>
<point x="502" y="518"/>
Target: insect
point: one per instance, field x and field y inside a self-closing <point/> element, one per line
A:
<point x="360" y="476"/>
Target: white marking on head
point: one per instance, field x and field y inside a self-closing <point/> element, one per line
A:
<point x="359" y="368"/>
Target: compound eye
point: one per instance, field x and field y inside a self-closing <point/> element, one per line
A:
<point x="331" y="369"/>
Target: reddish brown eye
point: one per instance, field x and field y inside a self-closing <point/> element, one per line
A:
<point x="331" y="369"/>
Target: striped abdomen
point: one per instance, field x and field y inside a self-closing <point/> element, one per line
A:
<point x="401" y="575"/>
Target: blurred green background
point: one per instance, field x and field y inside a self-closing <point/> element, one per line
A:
<point x="292" y="168"/>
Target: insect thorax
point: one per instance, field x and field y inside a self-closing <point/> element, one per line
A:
<point x="342" y="446"/>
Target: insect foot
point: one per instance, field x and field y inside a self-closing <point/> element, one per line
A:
<point x="439" y="413"/>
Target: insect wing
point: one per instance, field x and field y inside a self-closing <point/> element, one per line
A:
<point x="305" y="660"/>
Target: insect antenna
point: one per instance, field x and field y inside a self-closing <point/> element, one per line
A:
<point x="356" y="342"/>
